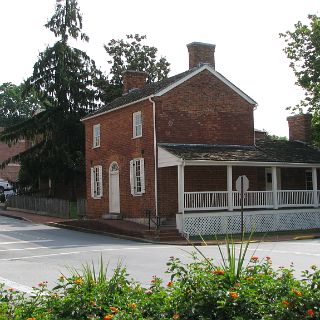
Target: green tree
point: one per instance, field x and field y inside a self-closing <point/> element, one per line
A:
<point x="13" y="107"/>
<point x="133" y="54"/>
<point x="303" y="50"/>
<point x="69" y="86"/>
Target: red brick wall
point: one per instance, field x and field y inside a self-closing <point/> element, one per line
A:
<point x="204" y="110"/>
<point x="300" y="127"/>
<point x="167" y="191"/>
<point x="10" y="172"/>
<point x="117" y="145"/>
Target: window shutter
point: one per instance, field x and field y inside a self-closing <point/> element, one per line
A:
<point x="131" y="177"/>
<point x="100" y="180"/>
<point x="143" y="188"/>
<point x="92" y="183"/>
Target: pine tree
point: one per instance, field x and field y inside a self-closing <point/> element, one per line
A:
<point x="67" y="83"/>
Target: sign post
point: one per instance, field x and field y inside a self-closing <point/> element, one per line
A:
<point x="242" y="186"/>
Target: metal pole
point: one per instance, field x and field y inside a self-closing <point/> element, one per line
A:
<point x="242" y="207"/>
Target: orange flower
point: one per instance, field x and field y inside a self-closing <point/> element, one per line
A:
<point x="78" y="281"/>
<point x="296" y="292"/>
<point x="250" y="278"/>
<point x="114" y="309"/>
<point x="108" y="317"/>
<point x="254" y="259"/>
<point x="285" y="302"/>
<point x="176" y="316"/>
<point x="31" y="319"/>
<point x="132" y="305"/>
<point x="310" y="312"/>
<point x="218" y="271"/>
<point x="170" y="284"/>
<point x="233" y="295"/>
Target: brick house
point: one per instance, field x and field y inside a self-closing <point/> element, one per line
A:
<point x="11" y="171"/>
<point x="176" y="147"/>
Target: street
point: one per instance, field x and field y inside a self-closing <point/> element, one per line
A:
<point x="31" y="253"/>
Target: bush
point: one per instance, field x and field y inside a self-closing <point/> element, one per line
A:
<point x="198" y="290"/>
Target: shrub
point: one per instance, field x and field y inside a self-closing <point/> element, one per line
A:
<point x="198" y="290"/>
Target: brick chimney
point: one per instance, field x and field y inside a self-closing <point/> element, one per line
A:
<point x="201" y="53"/>
<point x="133" y="80"/>
<point x="300" y="127"/>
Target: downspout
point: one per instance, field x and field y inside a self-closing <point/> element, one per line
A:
<point x="155" y="154"/>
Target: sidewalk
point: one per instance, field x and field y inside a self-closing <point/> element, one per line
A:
<point x="134" y="231"/>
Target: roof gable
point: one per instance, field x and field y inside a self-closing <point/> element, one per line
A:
<point x="160" y="88"/>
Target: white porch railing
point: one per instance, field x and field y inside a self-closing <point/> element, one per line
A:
<point x="206" y="200"/>
<point x="217" y="200"/>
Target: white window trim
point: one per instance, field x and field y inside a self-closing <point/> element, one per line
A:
<point x="96" y="184"/>
<point x="135" y="116"/>
<point x="308" y="174"/>
<point x="133" y="177"/>
<point x="96" y="139"/>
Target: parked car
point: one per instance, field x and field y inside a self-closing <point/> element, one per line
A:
<point x="5" y="186"/>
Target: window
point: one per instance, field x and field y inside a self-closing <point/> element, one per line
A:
<point x="309" y="183"/>
<point x="137" y="125"/>
<point x="96" y="135"/>
<point x="137" y="178"/>
<point x="96" y="182"/>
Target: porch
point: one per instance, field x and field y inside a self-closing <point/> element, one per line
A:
<point x="283" y="186"/>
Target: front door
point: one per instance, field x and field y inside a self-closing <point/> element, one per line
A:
<point x="114" y="190"/>
<point x="269" y="179"/>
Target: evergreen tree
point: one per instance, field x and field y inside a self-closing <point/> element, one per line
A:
<point x="67" y="83"/>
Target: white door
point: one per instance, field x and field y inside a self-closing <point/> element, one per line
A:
<point x="269" y="179"/>
<point x="114" y="190"/>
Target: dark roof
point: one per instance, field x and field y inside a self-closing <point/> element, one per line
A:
<point x="139" y="94"/>
<point x="154" y="88"/>
<point x="263" y="151"/>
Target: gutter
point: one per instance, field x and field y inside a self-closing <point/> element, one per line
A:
<point x="155" y="153"/>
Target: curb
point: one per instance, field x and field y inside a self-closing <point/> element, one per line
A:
<point x="15" y="217"/>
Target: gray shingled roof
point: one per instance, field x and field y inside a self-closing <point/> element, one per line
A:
<point x="264" y="151"/>
<point x="139" y="94"/>
<point x="154" y="88"/>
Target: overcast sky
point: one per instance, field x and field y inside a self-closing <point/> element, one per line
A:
<point x="245" y="32"/>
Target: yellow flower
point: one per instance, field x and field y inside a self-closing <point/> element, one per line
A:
<point x="132" y="305"/>
<point x="31" y="319"/>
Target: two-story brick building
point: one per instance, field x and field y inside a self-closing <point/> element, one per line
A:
<point x="176" y="147"/>
<point x="11" y="171"/>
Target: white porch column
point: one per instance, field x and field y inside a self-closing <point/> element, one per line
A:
<point x="274" y="187"/>
<point x="181" y="194"/>
<point x="229" y="188"/>
<point x="315" y="187"/>
<point x="180" y="188"/>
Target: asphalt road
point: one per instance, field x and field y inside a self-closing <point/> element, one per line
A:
<point x="31" y="253"/>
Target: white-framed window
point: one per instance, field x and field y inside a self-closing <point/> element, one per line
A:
<point x="96" y="136"/>
<point x="137" y="176"/>
<point x="96" y="182"/>
<point x="137" y="124"/>
<point x="309" y="183"/>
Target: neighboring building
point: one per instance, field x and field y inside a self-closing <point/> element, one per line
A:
<point x="11" y="171"/>
<point x="176" y="148"/>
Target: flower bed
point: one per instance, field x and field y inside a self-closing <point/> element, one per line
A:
<point x="199" y="290"/>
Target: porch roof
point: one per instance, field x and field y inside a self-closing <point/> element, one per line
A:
<point x="267" y="152"/>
